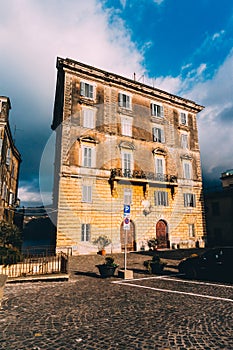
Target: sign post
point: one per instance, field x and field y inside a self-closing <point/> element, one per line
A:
<point x="126" y="274"/>
<point x="126" y="228"/>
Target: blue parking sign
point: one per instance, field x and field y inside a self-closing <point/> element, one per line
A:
<point x="126" y="209"/>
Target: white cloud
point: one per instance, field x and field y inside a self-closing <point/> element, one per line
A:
<point x="29" y="195"/>
<point x="216" y="120"/>
<point x="218" y="35"/>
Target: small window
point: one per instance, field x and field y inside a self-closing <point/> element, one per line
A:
<point x="87" y="194"/>
<point x="86" y="232"/>
<point x="88" y="118"/>
<point x="187" y="169"/>
<point x="156" y="110"/>
<point x="127" y="164"/>
<point x="159" y="166"/>
<point x="158" y="135"/>
<point x="191" y="228"/>
<point x="184" y="141"/>
<point x="86" y="90"/>
<point x="124" y="101"/>
<point x="183" y="118"/>
<point x="88" y="157"/>
<point x="189" y="200"/>
<point x="8" y="156"/>
<point x="161" y="198"/>
<point x="126" y="126"/>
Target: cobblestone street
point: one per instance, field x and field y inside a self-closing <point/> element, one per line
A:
<point x="149" y="312"/>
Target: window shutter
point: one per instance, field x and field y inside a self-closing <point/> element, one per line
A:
<point x="91" y="91"/>
<point x="120" y="99"/>
<point x="162" y="136"/>
<point x="152" y="109"/>
<point x="161" y="111"/>
<point x="82" y="88"/>
<point x="127" y="101"/>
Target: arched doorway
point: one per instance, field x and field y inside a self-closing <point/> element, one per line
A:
<point x="131" y="243"/>
<point x="162" y="234"/>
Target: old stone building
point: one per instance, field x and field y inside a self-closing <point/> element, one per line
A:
<point x="118" y="142"/>
<point x="10" y="163"/>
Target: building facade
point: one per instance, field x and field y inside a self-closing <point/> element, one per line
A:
<point x="120" y="142"/>
<point x="219" y="212"/>
<point x="10" y="163"/>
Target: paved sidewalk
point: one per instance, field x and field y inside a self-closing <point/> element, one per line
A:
<point x="92" y="313"/>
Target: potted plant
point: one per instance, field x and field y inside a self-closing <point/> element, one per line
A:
<point x="108" y="268"/>
<point x="152" y="243"/>
<point x="102" y="242"/>
<point x="155" y="265"/>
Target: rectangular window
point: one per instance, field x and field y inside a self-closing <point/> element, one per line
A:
<point x="184" y="140"/>
<point x="86" y="233"/>
<point x="161" y="198"/>
<point x="88" y="118"/>
<point x="158" y="134"/>
<point x="11" y="198"/>
<point x="124" y="101"/>
<point x="187" y="170"/>
<point x="189" y="200"/>
<point x="127" y="196"/>
<point x="191" y="230"/>
<point x="183" y="118"/>
<point x="127" y="164"/>
<point x="86" y="90"/>
<point x="8" y="156"/>
<point x="156" y="110"/>
<point x="126" y="126"/>
<point x="87" y="156"/>
<point x="87" y="194"/>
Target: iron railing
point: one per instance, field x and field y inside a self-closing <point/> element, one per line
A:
<point x="140" y="174"/>
<point x="37" y="266"/>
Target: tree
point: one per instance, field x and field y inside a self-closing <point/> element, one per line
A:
<point x="10" y="243"/>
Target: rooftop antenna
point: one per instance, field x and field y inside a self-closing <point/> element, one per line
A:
<point x="141" y="77"/>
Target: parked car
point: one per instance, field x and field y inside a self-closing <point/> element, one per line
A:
<point x="214" y="264"/>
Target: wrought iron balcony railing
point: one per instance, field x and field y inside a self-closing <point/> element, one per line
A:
<point x="140" y="174"/>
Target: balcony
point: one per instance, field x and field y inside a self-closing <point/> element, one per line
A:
<point x="141" y="176"/>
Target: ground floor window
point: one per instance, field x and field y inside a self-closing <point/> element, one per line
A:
<point x="191" y="230"/>
<point x="86" y="232"/>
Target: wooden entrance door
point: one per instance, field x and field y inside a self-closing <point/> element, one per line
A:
<point x="161" y="234"/>
<point x="131" y="244"/>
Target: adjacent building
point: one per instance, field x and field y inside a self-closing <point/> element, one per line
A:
<point x="121" y="142"/>
<point x="10" y="162"/>
<point x="219" y="212"/>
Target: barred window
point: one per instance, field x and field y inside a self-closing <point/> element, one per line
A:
<point x="86" y="232"/>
